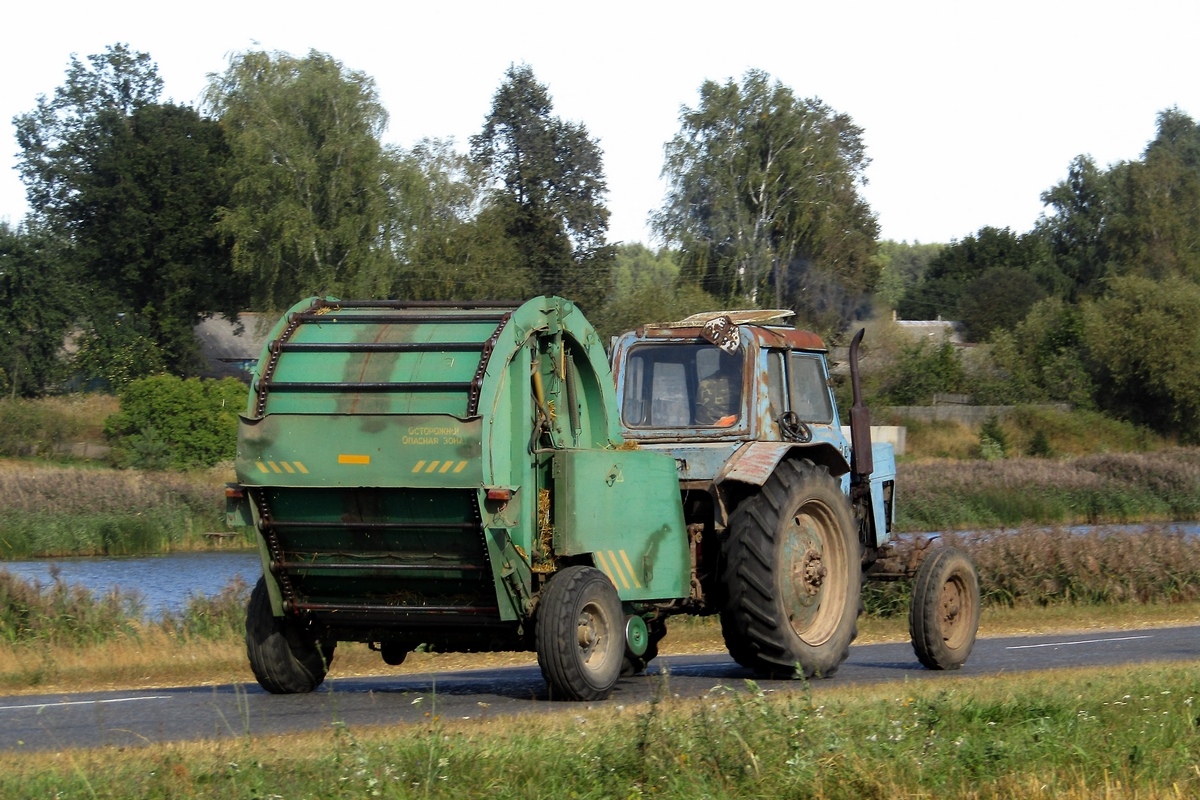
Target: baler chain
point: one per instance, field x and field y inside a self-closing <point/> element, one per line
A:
<point x="271" y="536"/>
<point x="477" y="381"/>
<point x="276" y="348"/>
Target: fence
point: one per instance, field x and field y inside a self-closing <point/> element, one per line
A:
<point x="953" y="412"/>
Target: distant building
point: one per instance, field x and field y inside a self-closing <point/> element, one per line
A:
<point x="935" y="329"/>
<point x="229" y="354"/>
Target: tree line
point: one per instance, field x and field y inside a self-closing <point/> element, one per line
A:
<point x="1096" y="306"/>
<point x="148" y="215"/>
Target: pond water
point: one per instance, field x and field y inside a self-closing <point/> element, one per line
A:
<point x="165" y="582"/>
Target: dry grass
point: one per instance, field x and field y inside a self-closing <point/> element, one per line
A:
<point x="947" y="494"/>
<point x="48" y="427"/>
<point x="80" y="490"/>
<point x="940" y="440"/>
<point x="156" y="658"/>
<point x="86" y="411"/>
<point x="1028" y="430"/>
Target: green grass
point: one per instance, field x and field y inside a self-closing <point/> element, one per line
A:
<point x="949" y="494"/>
<point x="1118" y="732"/>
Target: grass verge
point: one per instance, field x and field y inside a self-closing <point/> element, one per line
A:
<point x="157" y="656"/>
<point x="1114" y="732"/>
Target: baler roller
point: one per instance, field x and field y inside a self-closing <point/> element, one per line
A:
<point x="273" y="524"/>
<point x="377" y="347"/>
<point x="390" y="612"/>
<point x="375" y="386"/>
<point x="306" y="566"/>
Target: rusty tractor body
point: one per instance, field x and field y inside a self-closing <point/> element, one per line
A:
<point x="786" y="513"/>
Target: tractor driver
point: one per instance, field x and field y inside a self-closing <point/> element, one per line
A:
<point x="719" y="396"/>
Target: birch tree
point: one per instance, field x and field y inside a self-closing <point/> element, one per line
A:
<point x="763" y="188"/>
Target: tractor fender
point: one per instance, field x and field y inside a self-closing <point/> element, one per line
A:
<point x="752" y="464"/>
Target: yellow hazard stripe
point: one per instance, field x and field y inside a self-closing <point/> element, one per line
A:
<point x="604" y="566"/>
<point x="629" y="566"/>
<point x="440" y="467"/>
<point x="280" y="467"/>
<point x="617" y="568"/>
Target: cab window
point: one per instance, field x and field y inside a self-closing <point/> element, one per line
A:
<point x="681" y="386"/>
<point x="810" y="389"/>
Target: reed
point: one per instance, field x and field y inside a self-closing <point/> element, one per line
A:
<point x="946" y="494"/>
<point x="48" y="511"/>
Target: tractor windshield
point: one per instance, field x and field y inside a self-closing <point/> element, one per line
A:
<point x="682" y="385"/>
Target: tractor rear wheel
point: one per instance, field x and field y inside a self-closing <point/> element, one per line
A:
<point x="792" y="575"/>
<point x="580" y="634"/>
<point x="285" y="659"/>
<point x="944" y="616"/>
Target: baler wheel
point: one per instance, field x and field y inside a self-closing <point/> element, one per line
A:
<point x="580" y="634"/>
<point x="285" y="660"/>
<point x="944" y="616"/>
<point x="792" y="575"/>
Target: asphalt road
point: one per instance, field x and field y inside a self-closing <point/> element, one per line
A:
<point x="51" y="722"/>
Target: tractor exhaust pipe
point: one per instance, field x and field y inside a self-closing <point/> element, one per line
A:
<point x="861" y="461"/>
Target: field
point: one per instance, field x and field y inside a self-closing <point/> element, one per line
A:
<point x="49" y="510"/>
<point x="1057" y="469"/>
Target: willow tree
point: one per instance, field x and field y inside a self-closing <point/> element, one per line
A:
<point x="764" y="197"/>
<point x="310" y="209"/>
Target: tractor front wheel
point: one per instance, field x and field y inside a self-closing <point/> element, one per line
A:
<point x="580" y="634"/>
<point x="944" y="616"/>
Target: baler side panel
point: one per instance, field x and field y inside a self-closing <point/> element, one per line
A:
<point x="618" y="505"/>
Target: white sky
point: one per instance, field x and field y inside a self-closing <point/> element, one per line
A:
<point x="969" y="110"/>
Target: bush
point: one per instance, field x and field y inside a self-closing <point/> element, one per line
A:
<point x="29" y="428"/>
<point x="166" y="422"/>
<point x="993" y="441"/>
<point x="919" y="372"/>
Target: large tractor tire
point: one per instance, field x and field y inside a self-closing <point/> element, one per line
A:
<point x="944" y="616"/>
<point x="580" y="633"/>
<point x="285" y="659"/>
<point x="792" y="575"/>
